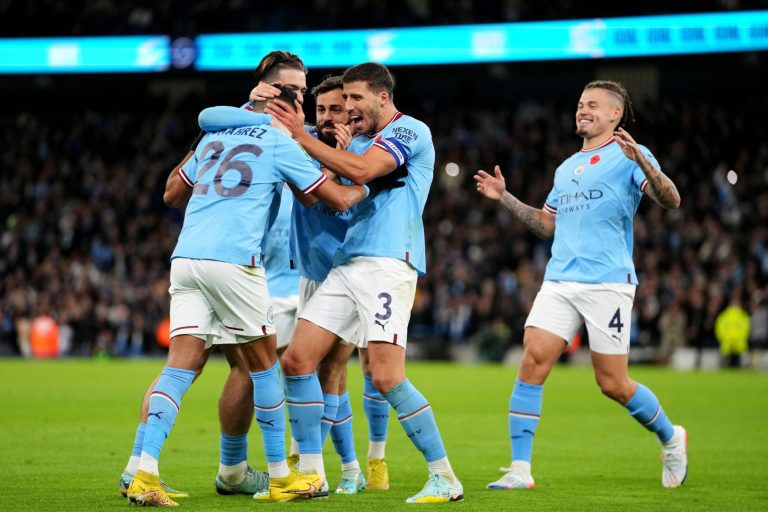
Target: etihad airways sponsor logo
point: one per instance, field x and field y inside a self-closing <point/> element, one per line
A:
<point x="578" y="201"/>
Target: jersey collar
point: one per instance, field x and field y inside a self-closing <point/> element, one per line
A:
<point x="395" y="117"/>
<point x="601" y="146"/>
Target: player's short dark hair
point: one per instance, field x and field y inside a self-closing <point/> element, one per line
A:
<point x="617" y="89"/>
<point x="287" y="94"/>
<point x="329" y="83"/>
<point x="274" y="62"/>
<point x="376" y="75"/>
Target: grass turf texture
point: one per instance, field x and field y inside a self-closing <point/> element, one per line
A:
<point x="67" y="430"/>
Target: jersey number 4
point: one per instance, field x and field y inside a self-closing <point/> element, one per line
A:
<point x="616" y="321"/>
<point x="225" y="165"/>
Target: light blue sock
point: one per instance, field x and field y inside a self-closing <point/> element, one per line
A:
<point x="524" y="413"/>
<point x="139" y="440"/>
<point x="269" y="403"/>
<point x="330" y="407"/>
<point x="341" y="431"/>
<point x="418" y="421"/>
<point x="164" y="404"/>
<point x="305" y="410"/>
<point x="646" y="409"/>
<point x="233" y="449"/>
<point x="376" y="410"/>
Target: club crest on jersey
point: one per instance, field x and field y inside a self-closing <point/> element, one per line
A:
<point x="594" y="160"/>
<point x="579" y="169"/>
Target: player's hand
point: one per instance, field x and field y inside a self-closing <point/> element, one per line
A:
<point x="294" y="121"/>
<point x="628" y="145"/>
<point x="492" y="187"/>
<point x="263" y="92"/>
<point x="393" y="180"/>
<point x="343" y="136"/>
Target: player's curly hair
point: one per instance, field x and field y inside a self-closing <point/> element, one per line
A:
<point x="274" y="62"/>
<point x="329" y="83"/>
<point x="617" y="89"/>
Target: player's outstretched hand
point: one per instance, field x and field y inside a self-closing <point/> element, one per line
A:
<point x="263" y="92"/>
<point x="492" y="187"/>
<point x="393" y="180"/>
<point x="628" y="145"/>
<point x="294" y="121"/>
<point x="343" y="136"/>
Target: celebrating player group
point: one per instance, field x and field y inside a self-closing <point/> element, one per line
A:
<point x="301" y="244"/>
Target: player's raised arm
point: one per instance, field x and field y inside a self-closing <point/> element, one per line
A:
<point x="359" y="168"/>
<point x="539" y="222"/>
<point x="660" y="188"/>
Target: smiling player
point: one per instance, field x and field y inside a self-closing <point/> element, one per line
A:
<point x="590" y="277"/>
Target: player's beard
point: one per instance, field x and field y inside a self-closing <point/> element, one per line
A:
<point x="370" y="116"/>
<point x="582" y="131"/>
<point x="373" y="117"/>
<point x="328" y="139"/>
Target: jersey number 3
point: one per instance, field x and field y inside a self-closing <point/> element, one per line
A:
<point x="225" y="165"/>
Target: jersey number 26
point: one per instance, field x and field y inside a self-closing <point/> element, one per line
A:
<point x="225" y="165"/>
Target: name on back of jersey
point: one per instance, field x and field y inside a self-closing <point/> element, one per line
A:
<point x="249" y="131"/>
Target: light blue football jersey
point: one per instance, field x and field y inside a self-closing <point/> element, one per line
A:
<point x="595" y="197"/>
<point x="389" y="224"/>
<point x="233" y="174"/>
<point x="317" y="234"/>
<point x="282" y="279"/>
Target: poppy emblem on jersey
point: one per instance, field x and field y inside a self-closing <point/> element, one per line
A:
<point x="579" y="169"/>
<point x="594" y="160"/>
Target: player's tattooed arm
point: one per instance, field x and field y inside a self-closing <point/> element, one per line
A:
<point x="660" y="188"/>
<point x="538" y="221"/>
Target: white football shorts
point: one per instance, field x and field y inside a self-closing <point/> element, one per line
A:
<point x="366" y="299"/>
<point x="307" y="288"/>
<point x="561" y="307"/>
<point x="285" y="309"/>
<point x="219" y="302"/>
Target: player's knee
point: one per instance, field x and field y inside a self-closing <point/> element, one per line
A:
<point x="291" y="363"/>
<point x="533" y="367"/>
<point x="385" y="382"/>
<point x="615" y="389"/>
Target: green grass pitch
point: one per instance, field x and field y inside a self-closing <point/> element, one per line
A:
<point x="67" y="429"/>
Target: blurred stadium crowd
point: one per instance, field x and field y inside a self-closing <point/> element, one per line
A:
<point x="85" y="237"/>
